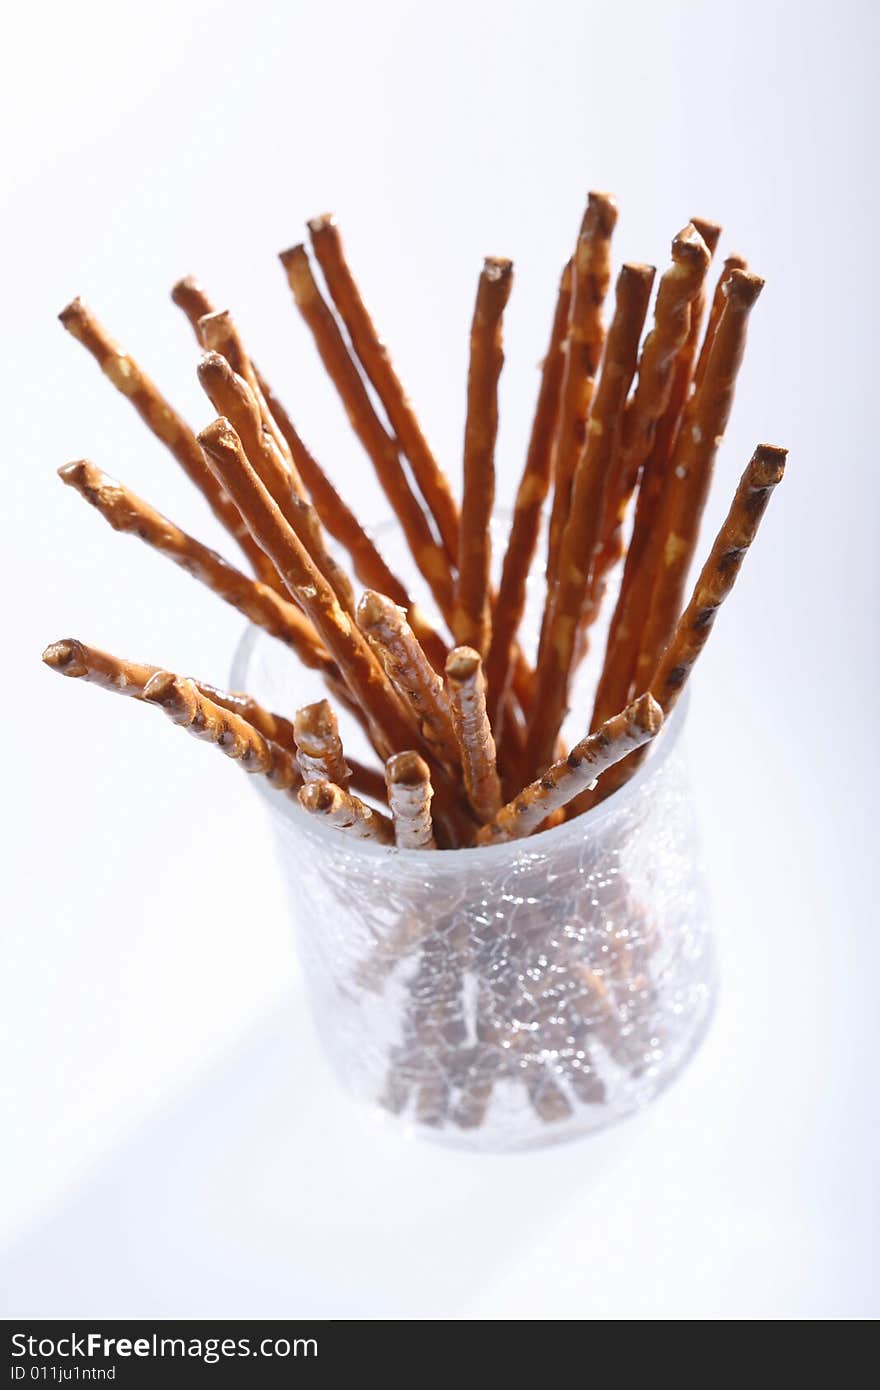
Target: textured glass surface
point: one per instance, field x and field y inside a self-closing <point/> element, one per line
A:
<point x="508" y="996"/>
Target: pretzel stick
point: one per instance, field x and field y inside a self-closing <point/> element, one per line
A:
<point x="634" y="600"/>
<point x="626" y="731"/>
<point x="337" y="518"/>
<point x="678" y="288"/>
<point x="591" y="277"/>
<point x="231" y="396"/>
<point x="719" y="573"/>
<point x="346" y="812"/>
<point x="471" y="620"/>
<point x="417" y="683"/>
<point x="127" y="512"/>
<point x="162" y="421"/>
<point x="187" y="707"/>
<point x="380" y="447"/>
<point x="530" y="498"/>
<point x="219" y="333"/>
<point x="392" y="730"/>
<point x="731" y="263"/>
<point x="692" y="465"/>
<point x="581" y="536"/>
<point x="408" y="779"/>
<point x="73" y="658"/>
<point x="376" y="362"/>
<point x="319" y="752"/>
<point x="467" y="698"/>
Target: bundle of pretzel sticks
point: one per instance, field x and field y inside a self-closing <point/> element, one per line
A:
<point x="465" y="728"/>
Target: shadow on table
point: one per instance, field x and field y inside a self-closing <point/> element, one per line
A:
<point x="265" y="1192"/>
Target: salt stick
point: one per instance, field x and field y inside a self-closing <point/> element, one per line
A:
<point x="231" y="396"/>
<point x="591" y="277"/>
<point x="526" y="524"/>
<point x="319" y="752"/>
<point x="632" y="728"/>
<point x="731" y="263"/>
<point x="219" y="333"/>
<point x="408" y="781"/>
<point x="378" y="444"/>
<point x="692" y="465"/>
<point x="336" y="517"/>
<point x="187" y="707"/>
<point x="471" y="619"/>
<point x="128" y="513"/>
<point x="376" y="362"/>
<point x="162" y="420"/>
<point x="392" y="729"/>
<point x="407" y="667"/>
<point x="717" y="578"/>
<point x="633" y="602"/>
<point x="581" y="536"/>
<point x="346" y="812"/>
<point x="719" y="573"/>
<point x="467" y="698"/>
<point x="70" y="657"/>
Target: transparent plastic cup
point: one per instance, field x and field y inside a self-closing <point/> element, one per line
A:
<point x="508" y="996"/>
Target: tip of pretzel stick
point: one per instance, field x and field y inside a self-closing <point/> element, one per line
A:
<point x="215" y="328"/>
<point x="636" y="270"/>
<point x="709" y="231"/>
<point x="318" y="797"/>
<point x="79" y="473"/>
<point x="735" y="262"/>
<point x="600" y="217"/>
<point x="689" y="245"/>
<point x="66" y="656"/>
<point x="497" y="268"/>
<point x="299" y="273"/>
<point x="73" y="314"/>
<point x="375" y="609"/>
<point x="743" y="287"/>
<point x="407" y="769"/>
<point x="322" y="223"/>
<point x="218" y="437"/>
<point x="646" y="714"/>
<point x="212" y="365"/>
<point x="462" y="664"/>
<point x="313" y="718"/>
<point x="183" y="290"/>
<point x="767" y="465"/>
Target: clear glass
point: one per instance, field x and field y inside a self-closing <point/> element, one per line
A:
<point x="511" y="996"/>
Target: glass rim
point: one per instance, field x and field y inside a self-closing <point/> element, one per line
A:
<point x="289" y="809"/>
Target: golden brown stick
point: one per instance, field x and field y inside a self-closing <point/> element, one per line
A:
<point x="161" y="419"/>
<point x="186" y="706"/>
<point x="731" y="263"/>
<point x="581" y="535"/>
<point x="405" y="664"/>
<point x="319" y="752"/>
<point x="692" y="463"/>
<point x="719" y="573"/>
<point x="337" y="518"/>
<point x="624" y="480"/>
<point x="408" y="779"/>
<point x="341" y="522"/>
<point x="530" y="498"/>
<point x="263" y="606"/>
<point x="467" y="698"/>
<point x="679" y="287"/>
<point x="471" y="621"/>
<point x="367" y="682"/>
<point x="231" y="396"/>
<point x="73" y="658"/>
<point x="219" y="333"/>
<point x="591" y="276"/>
<point x="346" y="812"/>
<point x="638" y="723"/>
<point x="381" y="448"/>
<point x="375" y="359"/>
<point x="634" y="600"/>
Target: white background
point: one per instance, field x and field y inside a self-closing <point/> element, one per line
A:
<point x="173" y="1144"/>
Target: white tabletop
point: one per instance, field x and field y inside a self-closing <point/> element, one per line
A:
<point x="173" y="1143"/>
